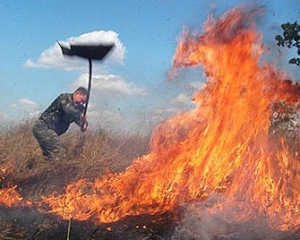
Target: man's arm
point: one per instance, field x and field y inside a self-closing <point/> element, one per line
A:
<point x="82" y="122"/>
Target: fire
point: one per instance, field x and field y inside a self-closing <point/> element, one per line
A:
<point x="220" y="148"/>
<point x="10" y="197"/>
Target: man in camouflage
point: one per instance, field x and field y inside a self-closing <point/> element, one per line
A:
<point x="56" y="119"/>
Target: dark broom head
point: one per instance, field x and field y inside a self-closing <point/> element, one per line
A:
<point x="92" y="52"/>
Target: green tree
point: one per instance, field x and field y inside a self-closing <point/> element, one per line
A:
<point x="291" y="39"/>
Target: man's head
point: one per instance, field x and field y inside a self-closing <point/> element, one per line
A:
<point x="80" y="96"/>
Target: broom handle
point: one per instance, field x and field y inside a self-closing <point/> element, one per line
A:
<point x="88" y="90"/>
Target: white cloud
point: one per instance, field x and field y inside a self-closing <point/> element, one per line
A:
<point x="181" y="103"/>
<point x="53" y="57"/>
<point x="181" y="100"/>
<point x="26" y="104"/>
<point x="109" y="85"/>
<point x="195" y="86"/>
<point x="103" y="117"/>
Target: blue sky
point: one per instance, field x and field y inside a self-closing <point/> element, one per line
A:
<point x="130" y="89"/>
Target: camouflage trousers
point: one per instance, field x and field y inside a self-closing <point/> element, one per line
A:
<point x="48" y="140"/>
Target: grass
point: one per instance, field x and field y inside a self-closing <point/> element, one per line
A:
<point x="90" y="154"/>
<point x="101" y="151"/>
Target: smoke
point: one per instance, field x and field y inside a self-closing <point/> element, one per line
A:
<point x="208" y="220"/>
<point x="199" y="224"/>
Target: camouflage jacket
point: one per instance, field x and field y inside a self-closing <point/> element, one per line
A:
<point x="61" y="113"/>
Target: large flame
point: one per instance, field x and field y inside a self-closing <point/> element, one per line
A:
<point x="221" y="147"/>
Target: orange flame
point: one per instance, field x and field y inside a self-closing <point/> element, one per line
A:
<point x="219" y="148"/>
<point x="10" y="197"/>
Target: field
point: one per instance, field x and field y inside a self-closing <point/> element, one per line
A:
<point x="90" y="155"/>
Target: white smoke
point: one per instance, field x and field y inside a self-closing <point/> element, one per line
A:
<point x="208" y="220"/>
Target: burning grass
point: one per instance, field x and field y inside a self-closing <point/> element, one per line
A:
<point x="27" y="176"/>
<point x="228" y="169"/>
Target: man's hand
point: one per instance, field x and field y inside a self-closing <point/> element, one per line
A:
<point x="84" y="123"/>
<point x="84" y="126"/>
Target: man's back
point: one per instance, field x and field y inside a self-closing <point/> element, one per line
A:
<point x="61" y="113"/>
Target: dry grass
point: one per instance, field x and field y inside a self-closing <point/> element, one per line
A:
<point x="90" y="155"/>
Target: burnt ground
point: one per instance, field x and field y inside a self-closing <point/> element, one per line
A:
<point x="29" y="224"/>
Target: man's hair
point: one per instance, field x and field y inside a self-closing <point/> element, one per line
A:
<point x="82" y="90"/>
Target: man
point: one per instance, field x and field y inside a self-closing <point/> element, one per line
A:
<point x="56" y="119"/>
